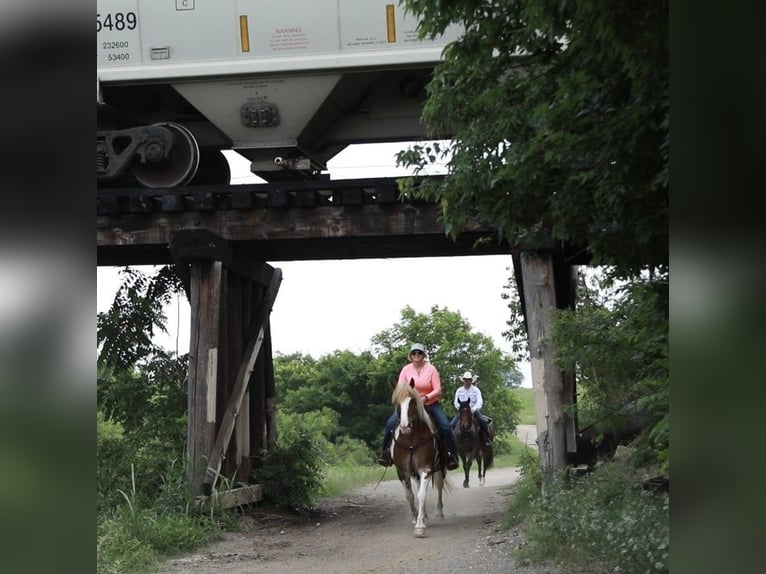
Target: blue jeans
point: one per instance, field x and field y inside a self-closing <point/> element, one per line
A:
<point x="435" y="410"/>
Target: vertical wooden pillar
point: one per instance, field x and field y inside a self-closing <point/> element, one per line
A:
<point x="566" y="297"/>
<point x="203" y="367"/>
<point x="547" y="381"/>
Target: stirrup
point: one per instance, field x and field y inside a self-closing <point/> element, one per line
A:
<point x="385" y="458"/>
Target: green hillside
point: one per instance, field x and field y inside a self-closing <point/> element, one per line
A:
<point x="525" y="396"/>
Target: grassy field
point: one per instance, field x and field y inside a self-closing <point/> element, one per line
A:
<point x="527" y="416"/>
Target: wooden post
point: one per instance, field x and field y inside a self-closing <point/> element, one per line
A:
<point x="565" y="278"/>
<point x="226" y="428"/>
<point x="203" y="367"/>
<point x="547" y="380"/>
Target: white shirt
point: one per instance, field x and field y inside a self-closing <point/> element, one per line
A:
<point x="472" y="393"/>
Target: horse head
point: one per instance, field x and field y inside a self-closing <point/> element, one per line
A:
<point x="465" y="417"/>
<point x="410" y="408"/>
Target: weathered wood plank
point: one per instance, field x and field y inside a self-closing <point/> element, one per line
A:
<point x="203" y="367"/>
<point x="547" y="382"/>
<point x="232" y="498"/>
<point x="226" y="427"/>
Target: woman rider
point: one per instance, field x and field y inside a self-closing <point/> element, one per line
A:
<point x="428" y="385"/>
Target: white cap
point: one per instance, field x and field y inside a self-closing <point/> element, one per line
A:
<point x="468" y="375"/>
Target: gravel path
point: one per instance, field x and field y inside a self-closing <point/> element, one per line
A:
<point x="370" y="531"/>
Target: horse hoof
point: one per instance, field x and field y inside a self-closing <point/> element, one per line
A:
<point x="420" y="533"/>
<point x="465" y="484"/>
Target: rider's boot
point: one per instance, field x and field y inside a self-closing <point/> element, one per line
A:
<point x="385" y="455"/>
<point x="450" y="458"/>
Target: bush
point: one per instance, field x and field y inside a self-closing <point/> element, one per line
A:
<point x="603" y="518"/>
<point x="291" y="474"/>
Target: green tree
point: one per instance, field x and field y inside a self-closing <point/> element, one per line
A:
<point x="558" y="114"/>
<point x="140" y="390"/>
<point x="346" y="383"/>
<point x="617" y="342"/>
<point x="454" y="348"/>
<point x="124" y="332"/>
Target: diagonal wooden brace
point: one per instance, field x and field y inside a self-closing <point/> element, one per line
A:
<point x="226" y="429"/>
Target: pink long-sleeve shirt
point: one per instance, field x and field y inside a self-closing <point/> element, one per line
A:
<point x="427" y="383"/>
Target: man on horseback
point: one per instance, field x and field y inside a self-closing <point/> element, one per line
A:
<point x="472" y="393"/>
<point x="428" y="385"/>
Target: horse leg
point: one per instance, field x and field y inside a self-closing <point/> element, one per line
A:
<point x="439" y="482"/>
<point x="420" y="524"/>
<point x="407" y="484"/>
<point x="467" y="462"/>
<point x="479" y="461"/>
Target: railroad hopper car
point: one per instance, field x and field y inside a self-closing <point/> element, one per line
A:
<point x="285" y="83"/>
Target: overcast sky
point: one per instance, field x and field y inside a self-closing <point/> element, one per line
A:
<point x="327" y="305"/>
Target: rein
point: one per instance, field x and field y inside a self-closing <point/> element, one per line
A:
<point x="415" y="446"/>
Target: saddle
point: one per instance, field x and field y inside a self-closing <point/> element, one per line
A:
<point x="490" y="428"/>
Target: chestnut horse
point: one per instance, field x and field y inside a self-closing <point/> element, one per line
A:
<point x="415" y="453"/>
<point x="469" y="445"/>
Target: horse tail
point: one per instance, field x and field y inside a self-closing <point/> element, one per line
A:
<point x="489" y="456"/>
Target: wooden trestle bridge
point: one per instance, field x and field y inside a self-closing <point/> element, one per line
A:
<point x="221" y="237"/>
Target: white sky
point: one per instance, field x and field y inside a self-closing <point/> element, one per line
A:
<point x="323" y="306"/>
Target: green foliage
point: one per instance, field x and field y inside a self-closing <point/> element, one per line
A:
<point x="348" y="397"/>
<point x="124" y="332"/>
<point x="526" y="491"/>
<point x="619" y="349"/>
<point x="559" y="119"/>
<point x="131" y="539"/>
<point x="601" y="521"/>
<point x="453" y="347"/>
<point x="137" y="532"/>
<point x="141" y="427"/>
<point x="347" y="384"/>
<point x="291" y="473"/>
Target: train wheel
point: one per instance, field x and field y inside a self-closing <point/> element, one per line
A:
<point x="213" y="169"/>
<point x="179" y="167"/>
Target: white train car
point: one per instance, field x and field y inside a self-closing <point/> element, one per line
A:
<point x="286" y="83"/>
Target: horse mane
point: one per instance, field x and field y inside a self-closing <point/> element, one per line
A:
<point x="402" y="392"/>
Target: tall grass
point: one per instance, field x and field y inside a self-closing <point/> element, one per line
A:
<point x="132" y="537"/>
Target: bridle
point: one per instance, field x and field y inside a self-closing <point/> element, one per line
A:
<point x="466" y="431"/>
<point x="412" y="447"/>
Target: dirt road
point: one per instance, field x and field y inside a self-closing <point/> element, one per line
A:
<point x="370" y="531"/>
<point x="527" y="434"/>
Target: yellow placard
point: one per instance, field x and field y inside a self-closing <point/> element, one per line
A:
<point x="244" y="34"/>
<point x="390" y="23"/>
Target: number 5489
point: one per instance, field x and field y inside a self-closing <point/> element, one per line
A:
<point x="116" y="21"/>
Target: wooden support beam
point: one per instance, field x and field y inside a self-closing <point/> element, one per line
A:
<point x="203" y="367"/>
<point x="240" y="386"/>
<point x="231" y="498"/>
<point x="547" y="382"/>
<point x="203" y="245"/>
<point x="565" y="276"/>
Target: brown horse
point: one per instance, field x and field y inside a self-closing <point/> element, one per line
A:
<point x="470" y="447"/>
<point x="416" y="454"/>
